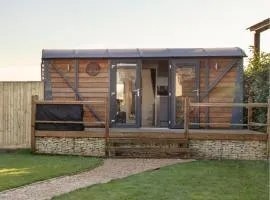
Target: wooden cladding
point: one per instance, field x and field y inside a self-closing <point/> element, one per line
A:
<point x="224" y="91"/>
<point x="222" y="73"/>
<point x="80" y="85"/>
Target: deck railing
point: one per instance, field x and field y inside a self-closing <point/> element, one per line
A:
<point x="249" y="106"/>
<point x="187" y="123"/>
<point x="188" y="105"/>
<point x="36" y="101"/>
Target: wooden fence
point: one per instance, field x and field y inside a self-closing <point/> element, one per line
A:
<point x="15" y="112"/>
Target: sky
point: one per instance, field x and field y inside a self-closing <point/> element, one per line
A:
<point x="29" y="26"/>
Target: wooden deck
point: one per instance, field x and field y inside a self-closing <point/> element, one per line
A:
<point x="158" y="142"/>
<point x="154" y="142"/>
<point x="194" y="134"/>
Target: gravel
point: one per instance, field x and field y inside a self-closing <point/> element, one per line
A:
<point x="111" y="169"/>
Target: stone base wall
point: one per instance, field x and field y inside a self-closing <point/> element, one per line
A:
<point x="200" y="149"/>
<point x="228" y="149"/>
<point x="71" y="146"/>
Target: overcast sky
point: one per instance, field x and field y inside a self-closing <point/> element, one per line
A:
<point x="28" y="26"/>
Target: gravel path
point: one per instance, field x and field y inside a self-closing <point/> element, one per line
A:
<point x="112" y="169"/>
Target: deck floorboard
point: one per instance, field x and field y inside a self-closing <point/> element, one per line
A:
<point x="201" y="134"/>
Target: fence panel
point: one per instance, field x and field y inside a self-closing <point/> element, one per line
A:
<point x="15" y="112"/>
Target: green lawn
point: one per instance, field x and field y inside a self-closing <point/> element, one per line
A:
<point x="22" y="168"/>
<point x="226" y="180"/>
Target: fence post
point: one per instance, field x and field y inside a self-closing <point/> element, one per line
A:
<point x="268" y="128"/>
<point x="186" y="117"/>
<point x="33" y="122"/>
<point x="250" y="114"/>
<point x="106" y="126"/>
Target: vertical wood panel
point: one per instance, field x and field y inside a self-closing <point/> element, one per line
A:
<point x="27" y="111"/>
<point x="5" y="111"/>
<point x="15" y="112"/>
<point x="224" y="91"/>
<point x="1" y="111"/>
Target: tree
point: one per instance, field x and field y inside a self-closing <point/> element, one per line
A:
<point x="257" y="83"/>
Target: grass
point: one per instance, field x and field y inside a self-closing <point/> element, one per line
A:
<point x="200" y="180"/>
<point x="17" y="169"/>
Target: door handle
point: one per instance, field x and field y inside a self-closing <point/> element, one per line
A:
<point x="197" y="91"/>
<point x="112" y="93"/>
<point x="137" y="91"/>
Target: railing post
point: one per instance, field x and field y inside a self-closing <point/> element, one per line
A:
<point x="268" y="128"/>
<point x="186" y="117"/>
<point x="106" y="126"/>
<point x="250" y="114"/>
<point x="33" y="122"/>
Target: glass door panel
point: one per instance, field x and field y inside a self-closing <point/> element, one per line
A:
<point x="184" y="84"/>
<point x="125" y="94"/>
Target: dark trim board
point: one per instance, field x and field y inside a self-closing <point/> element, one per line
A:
<point x="76" y="75"/>
<point x="237" y="112"/>
<point x="207" y="88"/>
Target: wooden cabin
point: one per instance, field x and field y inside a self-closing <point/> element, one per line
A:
<point x="146" y="87"/>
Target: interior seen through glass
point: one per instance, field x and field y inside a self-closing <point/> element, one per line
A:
<point x="125" y="95"/>
<point x="184" y="87"/>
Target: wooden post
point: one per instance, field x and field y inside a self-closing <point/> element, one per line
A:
<point x="186" y="117"/>
<point x="106" y="125"/>
<point x="250" y="114"/>
<point x="268" y="128"/>
<point x="188" y="111"/>
<point x="257" y="42"/>
<point x="33" y="122"/>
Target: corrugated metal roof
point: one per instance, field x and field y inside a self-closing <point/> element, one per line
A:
<point x="143" y="53"/>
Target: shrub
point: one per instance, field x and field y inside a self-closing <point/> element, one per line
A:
<point x="256" y="83"/>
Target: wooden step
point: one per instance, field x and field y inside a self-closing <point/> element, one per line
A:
<point x="146" y="134"/>
<point x="148" y="152"/>
<point x="146" y="141"/>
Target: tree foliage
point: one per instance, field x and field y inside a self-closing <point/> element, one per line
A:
<point x="256" y="78"/>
